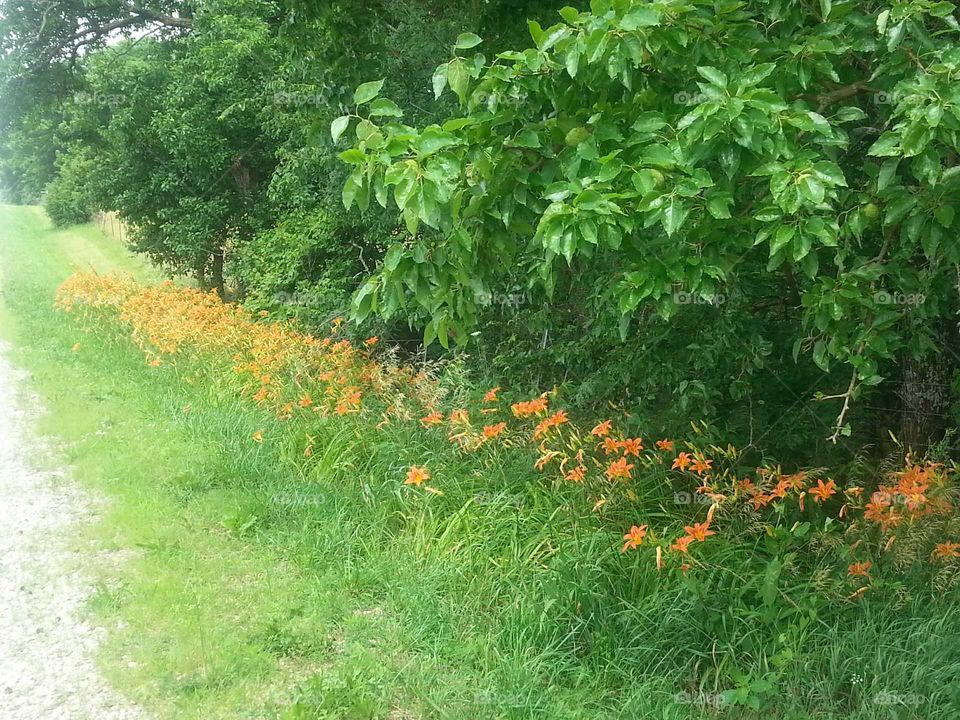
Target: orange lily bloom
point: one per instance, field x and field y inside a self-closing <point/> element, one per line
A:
<point x="417" y="475"/>
<point x="665" y="445"/>
<point x="822" y="492"/>
<point x="619" y="469"/>
<point x="860" y="569"/>
<point x="682" y="461"/>
<point x="634" y="537"/>
<point x="603" y="429"/>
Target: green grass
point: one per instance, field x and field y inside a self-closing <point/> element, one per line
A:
<point x="254" y="584"/>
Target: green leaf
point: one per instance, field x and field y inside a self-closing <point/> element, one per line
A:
<point x="812" y="189"/>
<point x="367" y="92"/>
<point x="465" y="41"/>
<point x="458" y="77"/>
<point x="713" y="75"/>
<point x="673" y="216"/>
<point x="886" y="146"/>
<point x="718" y="205"/>
<point x="382" y="107"/>
<point x="439" y="80"/>
<point x="339" y="126"/>
<point x="640" y="17"/>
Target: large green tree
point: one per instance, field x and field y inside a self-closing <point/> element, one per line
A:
<point x="673" y="154"/>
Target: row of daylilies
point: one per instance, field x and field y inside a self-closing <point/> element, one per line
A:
<point x="290" y="372"/>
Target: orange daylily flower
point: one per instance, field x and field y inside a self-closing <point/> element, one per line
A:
<point x="631" y="446"/>
<point x="634" y="537"/>
<point x="371" y="341"/>
<point x="305" y="401"/>
<point x="682" y="461"/>
<point x="822" y="492"/>
<point x="417" y="475"/>
<point x="577" y="474"/>
<point x="682" y="543"/>
<point x="946" y="551"/>
<point x="610" y="446"/>
<point x="491" y="395"/>
<point x="665" y="445"/>
<point x="861" y="569"/>
<point x="701" y="465"/>
<point x="603" y="429"/>
<point x="699" y="531"/>
<point x="434" y="418"/>
<point x="492" y="431"/>
<point x="619" y="469"/>
<point x="527" y="408"/>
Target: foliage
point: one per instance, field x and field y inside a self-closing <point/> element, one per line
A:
<point x="69" y="198"/>
<point x="664" y="151"/>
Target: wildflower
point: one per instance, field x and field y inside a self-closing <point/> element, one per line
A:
<point x="156" y="362"/>
<point x="257" y="436"/>
<point x="577" y="474"/>
<point x="305" y="401"/>
<point x="861" y="569"/>
<point x="434" y="418"/>
<point x="555" y="420"/>
<point x="417" y="475"/>
<point x="632" y="446"/>
<point x="603" y="429"/>
<point x="701" y="466"/>
<point x="371" y="341"/>
<point x="946" y="551"/>
<point x="682" y="543"/>
<point x="619" y="469"/>
<point x="492" y="431"/>
<point x="634" y="537"/>
<point x="491" y="395"/>
<point x="529" y="407"/>
<point x="699" y="531"/>
<point x="822" y="492"/>
<point x="682" y="461"/>
<point x="665" y="445"/>
<point x="610" y="446"/>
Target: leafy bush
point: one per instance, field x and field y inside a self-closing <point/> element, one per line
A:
<point x="69" y="199"/>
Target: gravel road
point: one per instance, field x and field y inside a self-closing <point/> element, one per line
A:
<point x="47" y="670"/>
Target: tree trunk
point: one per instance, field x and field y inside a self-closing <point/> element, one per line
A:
<point x="200" y="273"/>
<point x="925" y="396"/>
<point x="217" y="272"/>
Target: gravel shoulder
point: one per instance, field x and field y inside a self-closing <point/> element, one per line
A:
<point x="47" y="648"/>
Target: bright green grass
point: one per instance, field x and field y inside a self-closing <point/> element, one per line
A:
<point x="257" y="585"/>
